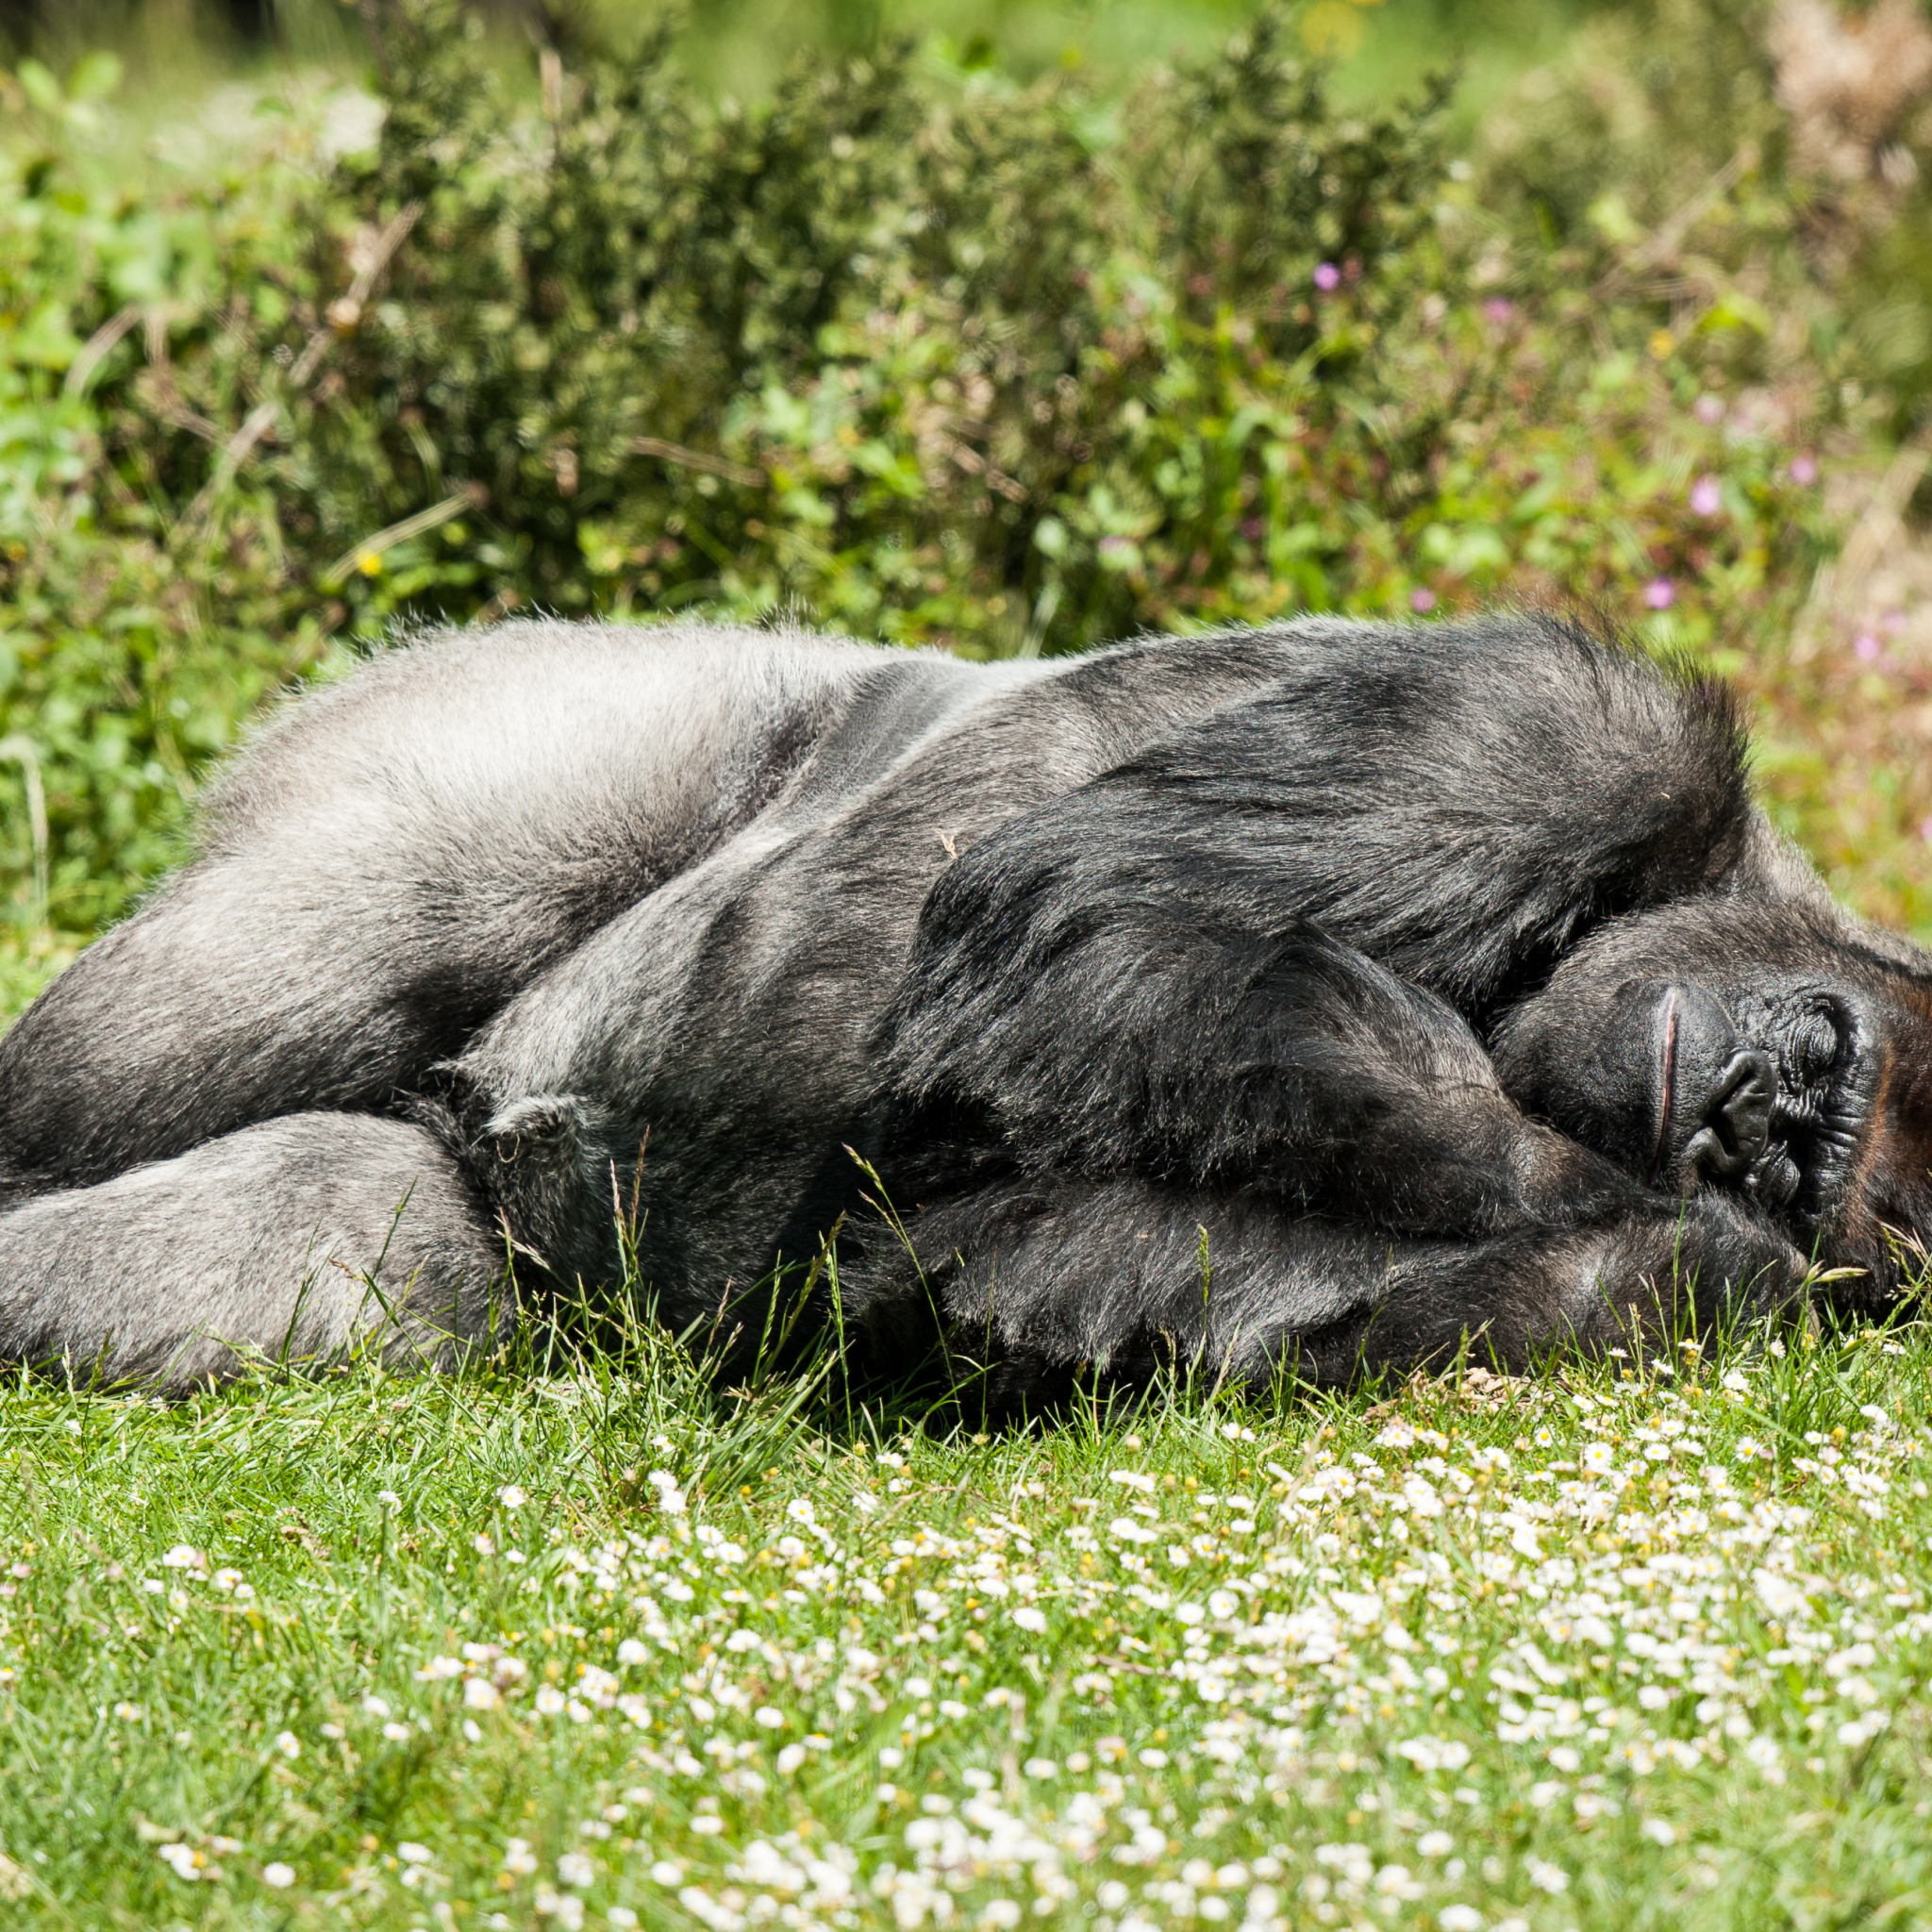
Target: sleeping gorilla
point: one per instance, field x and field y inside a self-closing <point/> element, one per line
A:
<point x="1428" y="982"/>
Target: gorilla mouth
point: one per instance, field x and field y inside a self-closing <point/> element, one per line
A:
<point x="1725" y="1117"/>
<point x="1666" y="1089"/>
<point x="1811" y="1167"/>
<point x="1822" y="1153"/>
<point x="1667" y="1086"/>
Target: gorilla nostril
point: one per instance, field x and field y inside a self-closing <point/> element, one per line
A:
<point x="1737" y="1119"/>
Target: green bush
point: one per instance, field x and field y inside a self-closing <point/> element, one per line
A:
<point x="912" y="350"/>
<point x="134" y="635"/>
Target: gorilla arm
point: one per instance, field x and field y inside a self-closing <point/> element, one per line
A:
<point x="1461" y="802"/>
<point x="1036" y="1283"/>
<point x="1190" y="1127"/>
<point x="1115" y="1006"/>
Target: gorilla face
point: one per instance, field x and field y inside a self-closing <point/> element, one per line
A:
<point x="1758" y="1049"/>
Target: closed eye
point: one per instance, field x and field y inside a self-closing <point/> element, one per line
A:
<point x="1815" y="1046"/>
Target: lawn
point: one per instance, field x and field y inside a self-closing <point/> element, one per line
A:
<point x="590" y="1645"/>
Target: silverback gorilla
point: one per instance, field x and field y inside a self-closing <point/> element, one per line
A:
<point x="1312" y="995"/>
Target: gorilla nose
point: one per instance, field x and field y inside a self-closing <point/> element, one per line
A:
<point x="1717" y="1094"/>
<point x="1736" y="1119"/>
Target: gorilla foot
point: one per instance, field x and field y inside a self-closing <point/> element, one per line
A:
<point x="294" y="1241"/>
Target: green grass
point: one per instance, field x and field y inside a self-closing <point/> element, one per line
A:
<point x="1400" y="1662"/>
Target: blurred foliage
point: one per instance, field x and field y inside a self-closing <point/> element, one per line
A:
<point x="914" y="349"/>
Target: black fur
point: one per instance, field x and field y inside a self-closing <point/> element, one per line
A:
<point x="1442" y="983"/>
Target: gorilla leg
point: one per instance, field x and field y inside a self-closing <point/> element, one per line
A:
<point x="295" y="1239"/>
<point x="236" y="997"/>
<point x="1038" y="1283"/>
<point x="391" y="863"/>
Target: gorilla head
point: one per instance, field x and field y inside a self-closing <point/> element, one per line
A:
<point x="1777" y="1053"/>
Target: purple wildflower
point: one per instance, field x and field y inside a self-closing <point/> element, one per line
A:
<point x="1866" y="648"/>
<point x="1805" y="468"/>
<point x="1327" y="275"/>
<point x="1421" y="601"/>
<point x="1659" y="593"/>
<point x="1500" y="310"/>
<point x="1709" y="410"/>
<point x="1706" y="498"/>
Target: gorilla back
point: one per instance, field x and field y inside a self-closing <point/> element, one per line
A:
<point x="1432" y="981"/>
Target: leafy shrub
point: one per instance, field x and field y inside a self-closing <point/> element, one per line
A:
<point x="117" y="679"/>
<point x="913" y="350"/>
